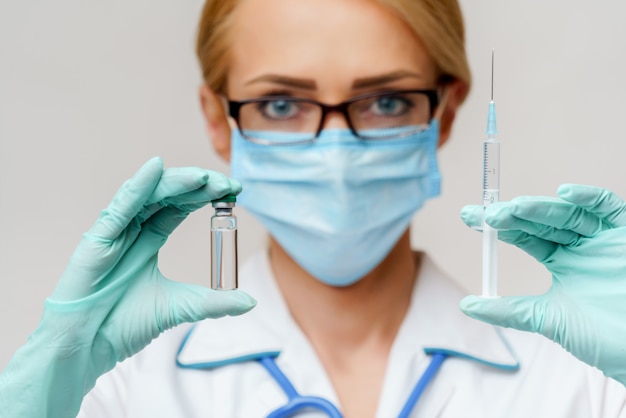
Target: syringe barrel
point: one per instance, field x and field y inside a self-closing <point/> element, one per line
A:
<point x="491" y="171"/>
<point x="491" y="194"/>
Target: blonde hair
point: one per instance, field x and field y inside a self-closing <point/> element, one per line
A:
<point x="437" y="23"/>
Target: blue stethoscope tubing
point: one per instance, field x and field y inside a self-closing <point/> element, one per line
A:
<point x="429" y="374"/>
<point x="297" y="402"/>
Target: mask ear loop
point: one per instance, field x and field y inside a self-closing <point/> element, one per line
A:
<point x="231" y="121"/>
<point x="442" y="103"/>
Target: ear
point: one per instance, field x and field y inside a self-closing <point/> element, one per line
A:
<point x="453" y="97"/>
<point x="216" y="121"/>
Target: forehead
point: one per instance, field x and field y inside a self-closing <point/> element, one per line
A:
<point x="331" y="41"/>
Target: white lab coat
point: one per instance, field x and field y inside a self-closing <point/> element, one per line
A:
<point x="549" y="383"/>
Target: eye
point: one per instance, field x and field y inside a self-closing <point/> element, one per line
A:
<point x="278" y="109"/>
<point x="390" y="106"/>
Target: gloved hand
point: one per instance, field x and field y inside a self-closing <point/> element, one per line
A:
<point x="581" y="239"/>
<point x="112" y="300"/>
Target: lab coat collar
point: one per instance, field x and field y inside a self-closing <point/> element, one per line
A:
<point x="435" y="308"/>
<point x="433" y="323"/>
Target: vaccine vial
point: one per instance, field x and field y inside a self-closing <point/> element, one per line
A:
<point x="224" y="244"/>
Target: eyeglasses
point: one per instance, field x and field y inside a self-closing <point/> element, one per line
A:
<point x="286" y="120"/>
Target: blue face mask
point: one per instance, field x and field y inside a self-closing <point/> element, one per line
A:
<point x="340" y="204"/>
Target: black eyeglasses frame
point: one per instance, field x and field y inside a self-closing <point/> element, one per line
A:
<point x="234" y="108"/>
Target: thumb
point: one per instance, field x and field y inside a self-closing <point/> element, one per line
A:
<point x="519" y="312"/>
<point x="192" y="303"/>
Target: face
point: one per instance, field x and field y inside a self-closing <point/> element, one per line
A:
<point x="327" y="50"/>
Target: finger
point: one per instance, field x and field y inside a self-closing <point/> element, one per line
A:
<point x="128" y="201"/>
<point x="189" y="195"/>
<point x="472" y="216"/>
<point x="147" y="211"/>
<point x="218" y="186"/>
<point x="505" y="216"/>
<point x="235" y="186"/>
<point x="214" y="186"/>
<point x="600" y="202"/>
<point x="524" y="313"/>
<point x="552" y="212"/>
<point x="156" y="229"/>
<point x="516" y="231"/>
<point x="192" y="303"/>
<point x="537" y="247"/>
<point x="177" y="181"/>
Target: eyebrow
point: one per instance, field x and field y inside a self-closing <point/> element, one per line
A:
<point x="300" y="83"/>
<point x="310" y="84"/>
<point x="360" y="83"/>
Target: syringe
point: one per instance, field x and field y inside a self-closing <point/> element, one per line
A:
<point x="491" y="194"/>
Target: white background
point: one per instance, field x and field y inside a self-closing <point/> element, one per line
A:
<point x="89" y="90"/>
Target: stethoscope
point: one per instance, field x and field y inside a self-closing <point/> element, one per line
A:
<point x="297" y="402"/>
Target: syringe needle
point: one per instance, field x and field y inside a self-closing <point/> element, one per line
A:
<point x="492" y="54"/>
<point x="491" y="116"/>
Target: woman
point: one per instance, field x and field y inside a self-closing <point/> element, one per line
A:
<point x="330" y="113"/>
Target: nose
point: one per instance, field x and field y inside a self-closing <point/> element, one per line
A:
<point x="335" y="120"/>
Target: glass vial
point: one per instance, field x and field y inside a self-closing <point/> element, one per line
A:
<point x="224" y="245"/>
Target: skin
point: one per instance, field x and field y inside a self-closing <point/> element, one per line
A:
<point x="372" y="50"/>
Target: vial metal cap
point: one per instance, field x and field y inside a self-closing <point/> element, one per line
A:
<point x="227" y="201"/>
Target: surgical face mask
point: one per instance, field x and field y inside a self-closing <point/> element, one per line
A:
<point x="338" y="205"/>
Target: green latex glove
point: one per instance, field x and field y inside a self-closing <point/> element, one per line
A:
<point x="112" y="300"/>
<point x="580" y="238"/>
